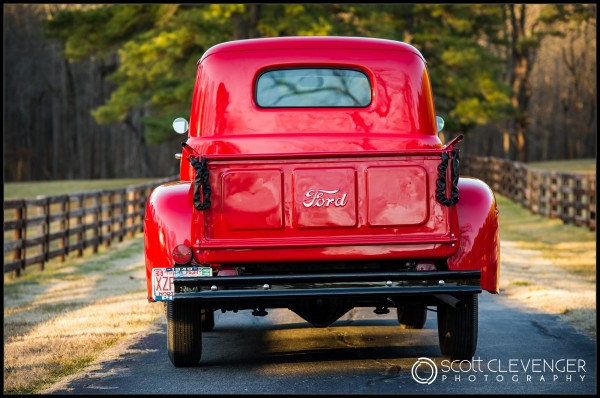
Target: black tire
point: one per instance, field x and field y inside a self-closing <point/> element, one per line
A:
<point x="412" y="315"/>
<point x="208" y="320"/>
<point x="457" y="328"/>
<point x="184" y="336"/>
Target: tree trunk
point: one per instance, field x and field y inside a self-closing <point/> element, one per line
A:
<point x="245" y="26"/>
<point x="520" y="63"/>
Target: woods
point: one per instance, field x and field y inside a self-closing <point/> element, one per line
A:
<point x="91" y="90"/>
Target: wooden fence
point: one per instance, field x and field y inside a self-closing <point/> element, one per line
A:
<point x="55" y="226"/>
<point x="569" y="197"/>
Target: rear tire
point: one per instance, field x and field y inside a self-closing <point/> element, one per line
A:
<point x="184" y="336"/>
<point x="412" y="315"/>
<point x="208" y="320"/>
<point x="457" y="328"/>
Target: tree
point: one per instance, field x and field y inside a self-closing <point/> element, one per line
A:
<point x="579" y="101"/>
<point x="527" y="26"/>
<point x="457" y="40"/>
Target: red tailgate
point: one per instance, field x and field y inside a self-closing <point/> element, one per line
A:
<point x="298" y="206"/>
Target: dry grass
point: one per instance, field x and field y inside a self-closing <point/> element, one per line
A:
<point x="538" y="283"/>
<point x="58" y="321"/>
<point x="548" y="265"/>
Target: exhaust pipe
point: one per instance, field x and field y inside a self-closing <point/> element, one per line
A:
<point x="450" y="300"/>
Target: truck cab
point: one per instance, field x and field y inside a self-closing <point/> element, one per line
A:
<point x="313" y="178"/>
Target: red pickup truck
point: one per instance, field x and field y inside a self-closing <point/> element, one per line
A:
<point x="313" y="178"/>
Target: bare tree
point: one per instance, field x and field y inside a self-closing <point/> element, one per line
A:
<point x="49" y="132"/>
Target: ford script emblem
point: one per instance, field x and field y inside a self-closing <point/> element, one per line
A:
<point x="323" y="197"/>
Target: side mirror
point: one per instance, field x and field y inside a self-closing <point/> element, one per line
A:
<point x="180" y="125"/>
<point x="440" y="123"/>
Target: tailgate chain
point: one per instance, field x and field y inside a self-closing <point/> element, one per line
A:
<point x="202" y="190"/>
<point x="201" y="202"/>
<point x="441" y="181"/>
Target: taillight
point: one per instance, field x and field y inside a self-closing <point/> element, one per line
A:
<point x="425" y="266"/>
<point x="182" y="254"/>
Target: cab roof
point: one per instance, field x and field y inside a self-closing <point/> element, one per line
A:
<point x="311" y="42"/>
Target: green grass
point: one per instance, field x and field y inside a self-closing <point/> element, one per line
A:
<point x="584" y="166"/>
<point x="60" y="370"/>
<point x="18" y="190"/>
<point x="571" y="247"/>
<point x="518" y="223"/>
<point x="75" y="365"/>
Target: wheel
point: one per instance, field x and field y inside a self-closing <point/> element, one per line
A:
<point x="457" y="328"/>
<point x="412" y="315"/>
<point x="208" y="320"/>
<point x="184" y="336"/>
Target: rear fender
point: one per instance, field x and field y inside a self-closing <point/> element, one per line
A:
<point x="167" y="223"/>
<point x="479" y="233"/>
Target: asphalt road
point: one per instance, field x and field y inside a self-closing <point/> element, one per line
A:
<point x="519" y="352"/>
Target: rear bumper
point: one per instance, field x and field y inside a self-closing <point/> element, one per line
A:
<point x="359" y="286"/>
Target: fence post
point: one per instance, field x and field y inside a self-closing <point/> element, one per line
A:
<point x="45" y="231"/>
<point x="20" y="234"/>
<point x="109" y="215"/>
<point x="142" y="205"/>
<point x="130" y="212"/>
<point x="97" y="216"/>
<point x="81" y="234"/>
<point x="530" y="196"/>
<point x="64" y="227"/>
<point x="591" y="186"/>
<point x="122" y="212"/>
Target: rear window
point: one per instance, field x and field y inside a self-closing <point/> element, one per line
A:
<point x="313" y="88"/>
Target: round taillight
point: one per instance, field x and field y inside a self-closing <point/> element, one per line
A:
<point x="182" y="254"/>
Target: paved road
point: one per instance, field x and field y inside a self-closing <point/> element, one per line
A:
<point x="362" y="353"/>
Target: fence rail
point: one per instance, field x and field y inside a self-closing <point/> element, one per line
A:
<point x="47" y="227"/>
<point x="567" y="196"/>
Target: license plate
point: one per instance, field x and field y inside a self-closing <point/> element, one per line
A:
<point x="162" y="279"/>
